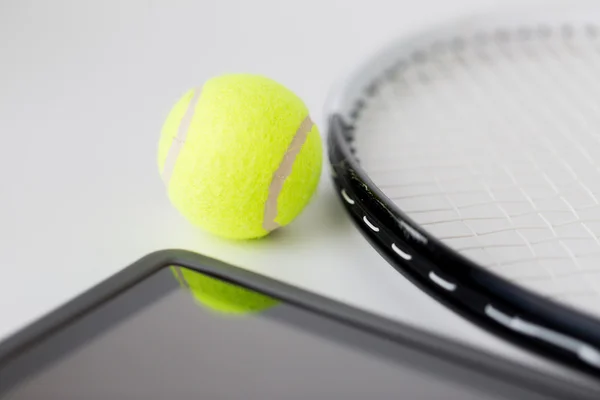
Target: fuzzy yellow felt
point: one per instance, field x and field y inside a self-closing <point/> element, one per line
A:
<point x="221" y="296"/>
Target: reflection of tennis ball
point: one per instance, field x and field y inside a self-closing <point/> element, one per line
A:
<point x="240" y="156"/>
<point x="221" y="296"/>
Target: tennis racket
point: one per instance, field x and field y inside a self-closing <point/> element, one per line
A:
<point x="469" y="157"/>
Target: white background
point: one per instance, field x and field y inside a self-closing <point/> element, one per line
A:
<point x="84" y="89"/>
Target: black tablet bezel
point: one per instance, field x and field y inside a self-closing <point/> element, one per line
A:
<point x="426" y="343"/>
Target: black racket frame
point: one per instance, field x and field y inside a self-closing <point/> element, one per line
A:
<point x="435" y="268"/>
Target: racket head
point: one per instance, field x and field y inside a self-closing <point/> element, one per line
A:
<point x="458" y="280"/>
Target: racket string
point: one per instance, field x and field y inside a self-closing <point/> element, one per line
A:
<point x="581" y="126"/>
<point x="495" y="125"/>
<point x="520" y="112"/>
<point x="476" y="95"/>
<point x="530" y="55"/>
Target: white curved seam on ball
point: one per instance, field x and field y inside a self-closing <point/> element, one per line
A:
<point x="370" y="225"/>
<point x="442" y="282"/>
<point x="346" y="197"/>
<point x="282" y="172"/>
<point x="180" y="277"/>
<point x="402" y="254"/>
<point x="179" y="139"/>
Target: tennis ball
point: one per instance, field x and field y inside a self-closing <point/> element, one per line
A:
<point x="221" y="296"/>
<point x="240" y="156"/>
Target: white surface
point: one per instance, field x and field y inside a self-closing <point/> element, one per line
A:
<point x="84" y="89"/>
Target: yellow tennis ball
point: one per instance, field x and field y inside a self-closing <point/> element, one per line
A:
<point x="221" y="296"/>
<point x="240" y="156"/>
